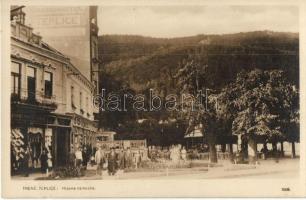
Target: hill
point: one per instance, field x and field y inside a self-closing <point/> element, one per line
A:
<point x="146" y="62"/>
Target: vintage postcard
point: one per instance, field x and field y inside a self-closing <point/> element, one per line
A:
<point x="153" y="98"/>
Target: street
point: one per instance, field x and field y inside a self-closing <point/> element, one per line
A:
<point x="285" y="168"/>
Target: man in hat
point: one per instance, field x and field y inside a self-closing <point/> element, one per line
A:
<point x="112" y="162"/>
<point x="128" y="159"/>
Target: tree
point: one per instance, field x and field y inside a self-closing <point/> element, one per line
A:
<point x="111" y="119"/>
<point x="261" y="103"/>
<point x="191" y="79"/>
<point x="288" y="110"/>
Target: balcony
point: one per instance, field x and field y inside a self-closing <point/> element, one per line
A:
<point x="37" y="99"/>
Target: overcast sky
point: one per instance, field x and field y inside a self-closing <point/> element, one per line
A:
<point x="177" y="21"/>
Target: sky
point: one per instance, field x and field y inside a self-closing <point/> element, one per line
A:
<point x="180" y="21"/>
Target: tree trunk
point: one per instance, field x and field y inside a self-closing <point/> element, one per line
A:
<point x="212" y="153"/>
<point x="274" y="149"/>
<point x="212" y="149"/>
<point x="252" y="150"/>
<point x="244" y="149"/>
<point x="293" y="150"/>
<point x="239" y="143"/>
<point x="274" y="146"/>
<point x="223" y="148"/>
<point x="282" y="149"/>
<point x="264" y="151"/>
<point x="229" y="148"/>
<point x="230" y="151"/>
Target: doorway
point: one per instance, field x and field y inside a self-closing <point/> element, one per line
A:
<point x="63" y="143"/>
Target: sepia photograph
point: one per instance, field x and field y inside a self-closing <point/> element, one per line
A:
<point x="153" y="92"/>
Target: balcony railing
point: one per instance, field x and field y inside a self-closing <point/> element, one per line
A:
<point x="34" y="98"/>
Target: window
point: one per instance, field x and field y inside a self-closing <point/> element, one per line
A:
<point x="48" y="84"/>
<point x="72" y="98"/>
<point x="31" y="79"/>
<point x="87" y="108"/>
<point x="81" y="96"/>
<point x="15" y="78"/>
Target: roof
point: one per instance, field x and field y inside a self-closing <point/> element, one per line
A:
<point x="101" y="133"/>
<point x="195" y="133"/>
<point x="13" y="8"/>
<point x="48" y="47"/>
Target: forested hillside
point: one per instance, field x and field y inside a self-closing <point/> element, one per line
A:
<point x="145" y="62"/>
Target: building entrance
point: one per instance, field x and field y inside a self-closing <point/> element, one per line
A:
<point x="63" y="143"/>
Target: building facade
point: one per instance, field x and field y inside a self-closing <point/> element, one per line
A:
<point x="51" y="100"/>
<point x="73" y="30"/>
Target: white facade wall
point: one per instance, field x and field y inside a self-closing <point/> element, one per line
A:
<point x="63" y="79"/>
<point x="78" y="86"/>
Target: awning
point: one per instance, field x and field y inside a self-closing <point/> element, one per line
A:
<point x="35" y="130"/>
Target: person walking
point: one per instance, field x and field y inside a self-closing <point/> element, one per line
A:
<point x="112" y="162"/>
<point x="264" y="150"/>
<point x="184" y="154"/>
<point x="85" y="157"/>
<point x="43" y="161"/>
<point x="49" y="161"/>
<point x="71" y="159"/>
<point x="26" y="160"/>
<point x="78" y="160"/>
<point x="78" y="157"/>
<point x="128" y="158"/>
<point x="99" y="160"/>
<point x="120" y="162"/>
<point x="137" y="159"/>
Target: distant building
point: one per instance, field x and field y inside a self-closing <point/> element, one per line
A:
<point x="51" y="99"/>
<point x="105" y="136"/>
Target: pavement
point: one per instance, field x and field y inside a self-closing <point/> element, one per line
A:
<point x="284" y="168"/>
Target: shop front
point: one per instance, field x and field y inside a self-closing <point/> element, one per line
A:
<point x="28" y="133"/>
<point x="59" y="138"/>
<point x="83" y="133"/>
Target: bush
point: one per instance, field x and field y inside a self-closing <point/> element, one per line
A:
<point x="68" y="172"/>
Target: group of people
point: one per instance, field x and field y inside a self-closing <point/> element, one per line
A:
<point x="81" y="157"/>
<point x="112" y="160"/>
<point x="174" y="153"/>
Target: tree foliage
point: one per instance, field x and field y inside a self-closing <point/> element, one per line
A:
<point x="262" y="102"/>
<point x="146" y="62"/>
<point x="111" y="119"/>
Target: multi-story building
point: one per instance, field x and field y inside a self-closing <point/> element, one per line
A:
<point x="51" y="99"/>
<point x="73" y="30"/>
